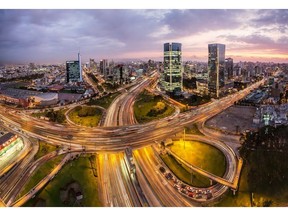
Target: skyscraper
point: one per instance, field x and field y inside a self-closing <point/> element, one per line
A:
<point x="92" y="64"/>
<point x="80" y="68"/>
<point x="172" y="76"/>
<point x="74" y="70"/>
<point x="229" y="68"/>
<point x="216" y="67"/>
<point x="104" y="67"/>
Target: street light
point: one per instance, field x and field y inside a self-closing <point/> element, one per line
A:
<point x="184" y="137"/>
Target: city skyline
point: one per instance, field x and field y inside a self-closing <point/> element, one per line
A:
<point x="54" y="36"/>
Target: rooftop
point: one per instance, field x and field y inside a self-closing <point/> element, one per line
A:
<point x="6" y="137"/>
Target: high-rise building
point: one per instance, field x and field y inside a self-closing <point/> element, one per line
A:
<point x="104" y="67"/>
<point x="80" y="68"/>
<point x="172" y="76"/>
<point x="229" y="68"/>
<point x="72" y="71"/>
<point x="92" y="64"/>
<point x="216" y="68"/>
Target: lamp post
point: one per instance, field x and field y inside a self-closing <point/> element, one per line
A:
<point x="184" y="138"/>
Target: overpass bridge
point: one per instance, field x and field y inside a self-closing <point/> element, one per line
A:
<point x="234" y="164"/>
<point x="233" y="185"/>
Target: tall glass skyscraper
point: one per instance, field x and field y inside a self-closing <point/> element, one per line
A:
<point x="74" y="70"/>
<point x="172" y="76"/>
<point x="229" y="68"/>
<point x="216" y="68"/>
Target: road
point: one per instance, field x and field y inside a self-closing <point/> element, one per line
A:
<point x="106" y="137"/>
<point x="116" y="186"/>
<point x="121" y="110"/>
<point x="117" y="138"/>
<point x="42" y="183"/>
<point x="149" y="164"/>
<point x="231" y="159"/>
<point x="11" y="177"/>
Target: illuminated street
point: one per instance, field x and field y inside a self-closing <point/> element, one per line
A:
<point x="143" y="108"/>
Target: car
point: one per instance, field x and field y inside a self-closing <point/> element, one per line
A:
<point x="168" y="176"/>
<point x="162" y="169"/>
<point x="176" y="186"/>
<point x="190" y="194"/>
<point x="184" y="191"/>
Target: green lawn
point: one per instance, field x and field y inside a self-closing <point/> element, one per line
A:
<point x="242" y="197"/>
<point x="144" y="104"/>
<point x="88" y="121"/>
<point x="202" y="155"/>
<point x="104" y="101"/>
<point x="79" y="170"/>
<point x="44" y="148"/>
<point x="39" y="174"/>
<point x="184" y="173"/>
<point x="44" y="113"/>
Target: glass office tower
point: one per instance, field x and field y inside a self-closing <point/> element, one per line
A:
<point x="172" y="76"/>
<point x="72" y="71"/>
<point x="229" y="68"/>
<point x="216" y="68"/>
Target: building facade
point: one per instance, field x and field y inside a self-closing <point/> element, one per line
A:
<point x="229" y="68"/>
<point x="72" y="71"/>
<point x="172" y="76"/>
<point x="104" y="68"/>
<point x="216" y="68"/>
<point x="80" y="68"/>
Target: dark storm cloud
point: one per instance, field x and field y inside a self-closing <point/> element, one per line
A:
<point x="185" y="22"/>
<point x="57" y="35"/>
<point x="54" y="31"/>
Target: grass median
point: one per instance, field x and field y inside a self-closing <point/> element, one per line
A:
<point x="199" y="154"/>
<point x="85" y="116"/>
<point x="202" y="155"/>
<point x="148" y="107"/>
<point x="40" y="173"/>
<point x="81" y="172"/>
<point x="44" y="148"/>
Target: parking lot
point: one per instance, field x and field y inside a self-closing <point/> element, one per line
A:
<point x="234" y="118"/>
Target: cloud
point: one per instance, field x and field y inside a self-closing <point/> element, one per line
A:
<point x="277" y="19"/>
<point x="258" y="42"/>
<point x="95" y="31"/>
<point x="57" y="35"/>
<point x="185" y="22"/>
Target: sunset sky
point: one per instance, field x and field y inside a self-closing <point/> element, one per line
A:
<point x="54" y="36"/>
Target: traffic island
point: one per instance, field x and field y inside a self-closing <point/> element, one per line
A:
<point x="76" y="175"/>
<point x="85" y="116"/>
<point x="149" y="107"/>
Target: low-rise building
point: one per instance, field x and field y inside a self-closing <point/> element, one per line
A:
<point x="45" y="99"/>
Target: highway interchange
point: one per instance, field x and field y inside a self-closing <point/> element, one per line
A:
<point x="119" y="131"/>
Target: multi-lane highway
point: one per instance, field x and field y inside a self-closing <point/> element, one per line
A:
<point x="42" y="183"/>
<point x="116" y="186"/>
<point x="106" y="137"/>
<point x="118" y="138"/>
